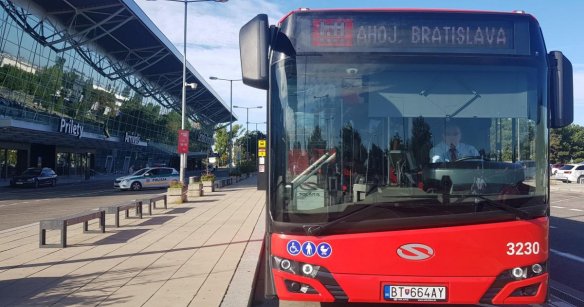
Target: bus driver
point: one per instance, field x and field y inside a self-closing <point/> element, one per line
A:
<point x="451" y="149"/>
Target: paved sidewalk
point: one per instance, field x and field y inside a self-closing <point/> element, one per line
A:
<point x="202" y="253"/>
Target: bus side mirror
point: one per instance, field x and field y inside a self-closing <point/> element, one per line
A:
<point x="561" y="90"/>
<point x="253" y="48"/>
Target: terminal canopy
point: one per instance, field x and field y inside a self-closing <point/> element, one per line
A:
<point x="131" y="48"/>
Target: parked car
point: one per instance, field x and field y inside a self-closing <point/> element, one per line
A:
<point x="150" y="177"/>
<point x="555" y="167"/>
<point x="35" y="177"/>
<point x="571" y="173"/>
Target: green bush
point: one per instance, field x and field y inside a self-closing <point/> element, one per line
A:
<point x="175" y="184"/>
<point x="235" y="172"/>
<point x="247" y="167"/>
<point x="207" y="177"/>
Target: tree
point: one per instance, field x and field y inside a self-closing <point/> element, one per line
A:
<point x="577" y="143"/>
<point x="249" y="141"/>
<point x="567" y="144"/>
<point x="222" y="144"/>
<point x="222" y="141"/>
<point x="49" y="81"/>
<point x="560" y="145"/>
<point x="15" y="78"/>
<point x="354" y="153"/>
<point x="316" y="144"/>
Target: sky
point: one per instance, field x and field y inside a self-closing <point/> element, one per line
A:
<point x="213" y="36"/>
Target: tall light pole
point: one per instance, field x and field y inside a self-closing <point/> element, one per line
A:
<point x="261" y="123"/>
<point x="247" y="123"/>
<point x="183" y="156"/>
<point x="230" y="144"/>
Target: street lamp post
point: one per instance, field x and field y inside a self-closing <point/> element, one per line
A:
<point x="183" y="156"/>
<point x="262" y="123"/>
<point x="247" y="123"/>
<point x="230" y="144"/>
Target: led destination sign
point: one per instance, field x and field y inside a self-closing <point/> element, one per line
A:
<point x="344" y="32"/>
<point x="395" y="33"/>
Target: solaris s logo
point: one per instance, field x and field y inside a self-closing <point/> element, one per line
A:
<point x="415" y="251"/>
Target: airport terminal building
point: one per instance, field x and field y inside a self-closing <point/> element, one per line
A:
<point x="94" y="85"/>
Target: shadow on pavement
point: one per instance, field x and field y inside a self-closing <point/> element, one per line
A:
<point x="121" y="236"/>
<point x="45" y="291"/>
<point x="179" y="210"/>
<point x="157" y="220"/>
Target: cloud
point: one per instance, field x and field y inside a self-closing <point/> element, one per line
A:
<point x="213" y="44"/>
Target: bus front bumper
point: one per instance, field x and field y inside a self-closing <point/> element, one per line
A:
<point x="370" y="288"/>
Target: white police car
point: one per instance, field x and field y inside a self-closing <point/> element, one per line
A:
<point x="150" y="177"/>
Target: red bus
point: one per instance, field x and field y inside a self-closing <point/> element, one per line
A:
<point x="395" y="142"/>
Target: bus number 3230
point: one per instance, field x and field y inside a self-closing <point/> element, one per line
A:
<point x="522" y="248"/>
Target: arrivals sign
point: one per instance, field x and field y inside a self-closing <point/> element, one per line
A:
<point x="183" y="141"/>
<point x="204" y="138"/>
<point x="69" y="126"/>
<point x="132" y="138"/>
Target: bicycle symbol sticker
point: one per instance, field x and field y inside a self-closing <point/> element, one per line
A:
<point x="293" y="247"/>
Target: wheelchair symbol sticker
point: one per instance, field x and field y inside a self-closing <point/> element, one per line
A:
<point x="324" y="250"/>
<point x="308" y="249"/>
<point x="293" y="247"/>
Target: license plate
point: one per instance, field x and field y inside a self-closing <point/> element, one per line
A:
<point x="414" y="293"/>
<point x="19" y="183"/>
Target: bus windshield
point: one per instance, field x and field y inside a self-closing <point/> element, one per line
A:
<point x="419" y="136"/>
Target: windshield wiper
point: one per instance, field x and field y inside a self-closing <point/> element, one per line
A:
<point x="520" y="214"/>
<point x="311" y="169"/>
<point x="315" y="230"/>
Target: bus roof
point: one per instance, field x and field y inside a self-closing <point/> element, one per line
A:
<point x="405" y="10"/>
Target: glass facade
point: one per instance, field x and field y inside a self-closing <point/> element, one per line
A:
<point x="44" y="85"/>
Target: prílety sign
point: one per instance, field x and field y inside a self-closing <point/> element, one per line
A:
<point x="69" y="126"/>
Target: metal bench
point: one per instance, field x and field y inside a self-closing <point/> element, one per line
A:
<point x="116" y="209"/>
<point x="152" y="201"/>
<point x="62" y="223"/>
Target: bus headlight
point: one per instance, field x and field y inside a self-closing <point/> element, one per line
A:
<point x="537" y="268"/>
<point x="294" y="267"/>
<point x="518" y="273"/>
<point x="285" y="264"/>
<point x="307" y="269"/>
<point x="528" y="271"/>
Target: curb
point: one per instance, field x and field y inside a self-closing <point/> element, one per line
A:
<point x="243" y="283"/>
